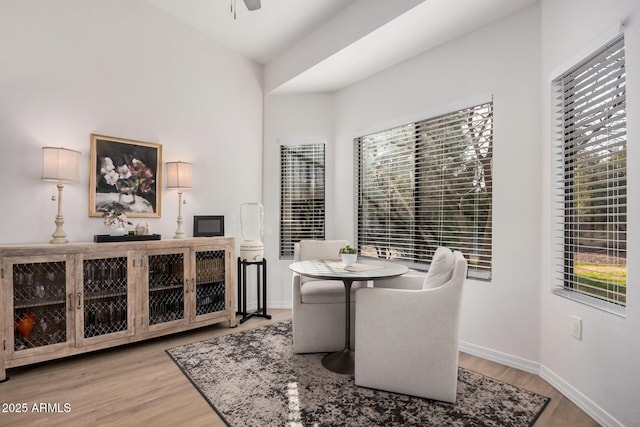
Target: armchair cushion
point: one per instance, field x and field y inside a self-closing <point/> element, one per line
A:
<point x="318" y="249"/>
<point x="441" y="268"/>
<point x="327" y="291"/>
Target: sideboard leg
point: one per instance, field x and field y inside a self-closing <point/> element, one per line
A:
<point x="3" y="372"/>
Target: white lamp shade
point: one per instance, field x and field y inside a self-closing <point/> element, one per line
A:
<point x="60" y="164"/>
<point x="179" y="175"/>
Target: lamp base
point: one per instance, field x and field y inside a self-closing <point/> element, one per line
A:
<point x="179" y="233"/>
<point x="59" y="236"/>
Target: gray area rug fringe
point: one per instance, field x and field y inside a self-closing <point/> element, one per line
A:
<point x="253" y="378"/>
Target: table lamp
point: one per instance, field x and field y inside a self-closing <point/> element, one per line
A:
<point x="179" y="177"/>
<point x="60" y="165"/>
<point x="252" y="226"/>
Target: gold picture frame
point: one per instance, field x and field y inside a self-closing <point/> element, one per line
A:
<point x="125" y="175"/>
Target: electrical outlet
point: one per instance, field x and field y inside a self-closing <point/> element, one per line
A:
<point x="576" y="327"/>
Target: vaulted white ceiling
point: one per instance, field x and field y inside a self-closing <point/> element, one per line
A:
<point x="326" y="45"/>
<point x="261" y="34"/>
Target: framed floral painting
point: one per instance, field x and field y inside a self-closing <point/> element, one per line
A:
<point x="125" y="176"/>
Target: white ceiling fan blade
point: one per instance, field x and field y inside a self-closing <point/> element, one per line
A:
<point x="252" y="4"/>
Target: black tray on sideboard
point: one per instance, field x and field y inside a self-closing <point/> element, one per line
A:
<point x="101" y="238"/>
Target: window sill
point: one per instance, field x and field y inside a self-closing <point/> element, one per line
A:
<point x="592" y="302"/>
<point x="481" y="276"/>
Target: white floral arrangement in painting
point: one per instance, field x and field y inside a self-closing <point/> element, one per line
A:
<point x="127" y="178"/>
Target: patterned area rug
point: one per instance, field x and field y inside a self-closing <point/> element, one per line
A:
<point x="253" y="378"/>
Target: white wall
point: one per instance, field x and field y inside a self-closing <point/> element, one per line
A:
<point x="292" y="119"/>
<point x="501" y="315"/>
<point x="123" y="68"/>
<point x="602" y="371"/>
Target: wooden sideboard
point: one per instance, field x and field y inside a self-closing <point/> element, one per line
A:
<point x="61" y="300"/>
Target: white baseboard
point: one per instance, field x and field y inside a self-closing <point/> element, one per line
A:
<point x="279" y="305"/>
<point x="252" y="304"/>
<point x="498" y="357"/>
<point x="601" y="416"/>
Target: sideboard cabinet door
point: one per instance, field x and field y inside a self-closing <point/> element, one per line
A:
<point x="38" y="301"/>
<point x="164" y="287"/>
<point x="104" y="300"/>
<point x="211" y="283"/>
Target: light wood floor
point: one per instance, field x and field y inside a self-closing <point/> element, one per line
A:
<point x="139" y="385"/>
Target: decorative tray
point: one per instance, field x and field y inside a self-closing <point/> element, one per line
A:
<point x="100" y="238"/>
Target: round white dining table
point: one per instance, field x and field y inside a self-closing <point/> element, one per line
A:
<point x="343" y="361"/>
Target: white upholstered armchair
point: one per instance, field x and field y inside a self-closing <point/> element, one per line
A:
<point x="318" y="309"/>
<point x="407" y="335"/>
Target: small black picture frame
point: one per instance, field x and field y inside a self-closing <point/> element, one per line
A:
<point x="208" y="225"/>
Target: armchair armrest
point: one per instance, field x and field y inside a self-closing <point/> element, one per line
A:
<point x="412" y="280"/>
<point x="296" y="283"/>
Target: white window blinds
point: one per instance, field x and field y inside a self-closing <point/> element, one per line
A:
<point x="592" y="173"/>
<point x="428" y="184"/>
<point x="302" y="198"/>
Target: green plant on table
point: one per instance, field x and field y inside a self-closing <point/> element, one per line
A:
<point x="348" y="250"/>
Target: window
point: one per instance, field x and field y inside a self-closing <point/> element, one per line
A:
<point x="428" y="184"/>
<point x="591" y="197"/>
<point x="302" y="204"/>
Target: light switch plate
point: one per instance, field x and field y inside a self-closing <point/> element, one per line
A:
<point x="576" y="327"/>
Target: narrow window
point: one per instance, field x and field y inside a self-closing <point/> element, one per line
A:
<point x="592" y="179"/>
<point x="302" y="198"/>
